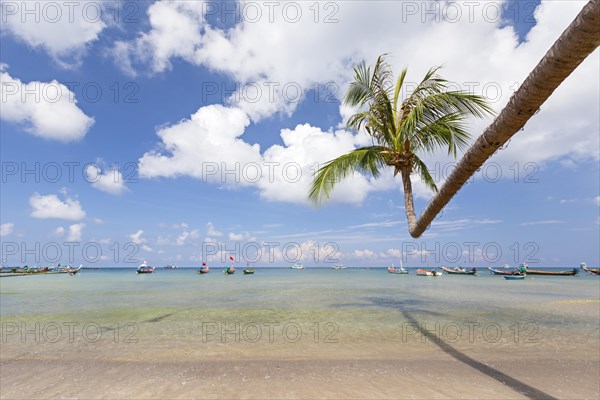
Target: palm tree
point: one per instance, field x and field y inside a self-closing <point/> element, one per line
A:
<point x="573" y="46"/>
<point x="431" y="118"/>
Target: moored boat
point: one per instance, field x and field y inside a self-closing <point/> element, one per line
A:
<point x="74" y="271"/>
<point x="229" y="270"/>
<point x="459" y="271"/>
<point x="248" y="270"/>
<point x="297" y="266"/>
<point x="505" y="270"/>
<point x="170" y="266"/>
<point x="144" y="268"/>
<point x="572" y="272"/>
<point x="584" y="267"/>
<point x="204" y="269"/>
<point x="426" y="272"/>
<point x="514" y="277"/>
<point x="338" y="266"/>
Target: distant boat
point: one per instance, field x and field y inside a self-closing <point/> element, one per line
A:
<point x="584" y="267"/>
<point x="203" y="269"/>
<point x="400" y="270"/>
<point x="229" y="270"/>
<point x="74" y="271"/>
<point x="248" y="270"/>
<point x="504" y="271"/>
<point x="144" y="268"/>
<point x="297" y="266"/>
<point x="338" y="266"/>
<point x="572" y="272"/>
<point x="425" y="272"/>
<point x="170" y="266"/>
<point x="459" y="271"/>
<point x="514" y="277"/>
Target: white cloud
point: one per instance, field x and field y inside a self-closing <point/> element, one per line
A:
<point x="147" y="248"/>
<point x="51" y="206"/>
<point x="60" y="231"/>
<point x="194" y="147"/>
<point x="544" y="222"/>
<point x="75" y="232"/>
<point x="175" y="32"/>
<point x="242" y="236"/>
<point x="597" y="200"/>
<point x="211" y="230"/>
<point x="365" y="254"/>
<point x="137" y="237"/>
<point x="111" y="181"/>
<point x="567" y="201"/>
<point x="63" y="29"/>
<point x="186" y="237"/>
<point x="98" y="221"/>
<point x="46" y="109"/>
<point x="6" y="229"/>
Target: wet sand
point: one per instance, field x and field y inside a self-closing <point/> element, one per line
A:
<point x="439" y="378"/>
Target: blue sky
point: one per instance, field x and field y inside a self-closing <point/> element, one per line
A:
<point x="154" y="74"/>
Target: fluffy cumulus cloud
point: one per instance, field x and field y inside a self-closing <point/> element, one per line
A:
<point x="6" y="229"/>
<point x="209" y="147"/>
<point x="52" y="114"/>
<point x="63" y="29"/>
<point x="201" y="146"/>
<point x="52" y="206"/>
<point x="109" y="181"/>
<point x="479" y="52"/>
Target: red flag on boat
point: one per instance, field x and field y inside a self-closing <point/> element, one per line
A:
<point x="204" y="264"/>
<point x="231" y="258"/>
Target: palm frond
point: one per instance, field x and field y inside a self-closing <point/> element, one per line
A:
<point x="367" y="160"/>
<point x="420" y="168"/>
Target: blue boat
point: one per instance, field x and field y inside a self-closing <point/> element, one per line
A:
<point x="514" y="277"/>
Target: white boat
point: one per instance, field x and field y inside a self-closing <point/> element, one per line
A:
<point x="144" y="268"/>
<point x="338" y="266"/>
<point x="297" y="266"/>
<point x="170" y="266"/>
<point x="400" y="270"/>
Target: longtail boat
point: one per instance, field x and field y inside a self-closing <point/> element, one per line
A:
<point x="584" y="267"/>
<point x="504" y="271"/>
<point x="459" y="271"/>
<point x="572" y="272"/>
